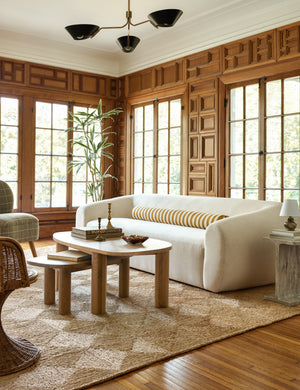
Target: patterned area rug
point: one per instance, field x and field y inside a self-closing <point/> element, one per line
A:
<point x="83" y="349"/>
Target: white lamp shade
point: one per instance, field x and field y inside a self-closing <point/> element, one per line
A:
<point x="290" y="208"/>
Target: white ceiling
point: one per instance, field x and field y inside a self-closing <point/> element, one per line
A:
<point x="33" y="30"/>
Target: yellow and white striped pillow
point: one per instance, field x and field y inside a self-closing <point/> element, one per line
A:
<point x="176" y="217"/>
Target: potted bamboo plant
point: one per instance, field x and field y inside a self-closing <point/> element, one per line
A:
<point x="93" y="137"/>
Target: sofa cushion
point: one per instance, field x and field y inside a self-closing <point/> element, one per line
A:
<point x="176" y="217"/>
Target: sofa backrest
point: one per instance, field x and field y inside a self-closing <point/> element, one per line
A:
<point x="212" y="205"/>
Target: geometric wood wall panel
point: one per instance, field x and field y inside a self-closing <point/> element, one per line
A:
<point x="194" y="148"/>
<point x="208" y="122"/>
<point x="198" y="168"/>
<point x="207" y="102"/>
<point x="288" y="39"/>
<point x="203" y="64"/>
<point x="203" y="86"/>
<point x="207" y="146"/>
<point x="139" y="82"/>
<point x="168" y="74"/>
<point x="193" y="124"/>
<point x="13" y="72"/>
<point x="193" y="106"/>
<point x="250" y="51"/>
<point x="41" y="76"/>
<point x="211" y="179"/>
<point x="89" y="84"/>
<point x="197" y="185"/>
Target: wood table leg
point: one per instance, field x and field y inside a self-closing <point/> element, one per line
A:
<point x="64" y="300"/>
<point x="59" y="248"/>
<point x="124" y="278"/>
<point x="49" y="286"/>
<point x="98" y="293"/>
<point x="162" y="279"/>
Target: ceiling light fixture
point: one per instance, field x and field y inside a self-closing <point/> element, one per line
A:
<point x="162" y="18"/>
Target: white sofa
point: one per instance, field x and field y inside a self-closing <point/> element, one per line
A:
<point x="230" y="254"/>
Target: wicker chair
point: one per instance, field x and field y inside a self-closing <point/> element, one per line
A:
<point x="22" y="227"/>
<point x="15" y="353"/>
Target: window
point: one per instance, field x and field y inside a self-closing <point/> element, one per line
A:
<point x="51" y="153"/>
<point x="157" y="147"/>
<point x="264" y="144"/>
<point x="9" y="143"/>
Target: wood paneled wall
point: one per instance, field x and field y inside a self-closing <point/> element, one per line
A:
<point x="269" y="53"/>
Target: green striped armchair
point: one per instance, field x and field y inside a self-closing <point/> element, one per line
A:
<point x="22" y="227"/>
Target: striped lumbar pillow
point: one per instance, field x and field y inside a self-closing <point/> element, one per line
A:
<point x="176" y="217"/>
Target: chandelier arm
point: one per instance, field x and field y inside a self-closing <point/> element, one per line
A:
<point x="107" y="28"/>
<point x="145" y="21"/>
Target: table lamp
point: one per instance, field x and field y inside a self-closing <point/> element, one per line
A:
<point x="290" y="209"/>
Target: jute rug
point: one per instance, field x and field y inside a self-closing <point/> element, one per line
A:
<point x="82" y="349"/>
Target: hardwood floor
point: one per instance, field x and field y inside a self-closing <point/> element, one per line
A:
<point x="266" y="358"/>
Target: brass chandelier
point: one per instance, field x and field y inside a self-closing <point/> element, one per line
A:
<point x="161" y="18"/>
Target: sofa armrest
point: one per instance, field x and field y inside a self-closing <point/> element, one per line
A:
<point x="237" y="253"/>
<point x="120" y="207"/>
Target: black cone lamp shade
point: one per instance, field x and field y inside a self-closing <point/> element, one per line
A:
<point x="82" y="31"/>
<point x="128" y="43"/>
<point x="165" y="17"/>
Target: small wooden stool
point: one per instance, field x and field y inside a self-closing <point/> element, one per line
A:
<point x="64" y="278"/>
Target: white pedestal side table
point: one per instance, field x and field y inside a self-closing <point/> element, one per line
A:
<point x="287" y="271"/>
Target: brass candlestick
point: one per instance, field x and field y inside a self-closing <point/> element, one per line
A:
<point x="109" y="225"/>
<point x="99" y="236"/>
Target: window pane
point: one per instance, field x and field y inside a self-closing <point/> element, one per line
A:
<point x="251" y="136"/>
<point x="162" y="188"/>
<point x="81" y="175"/>
<point x="138" y="119"/>
<point x="42" y="194"/>
<point x="163" y="142"/>
<point x="237" y="194"/>
<point x="292" y="194"/>
<point x="292" y="132"/>
<point x="162" y="174"/>
<point x="60" y="115"/>
<point x="148" y="169"/>
<point x="149" y="117"/>
<point x="292" y="95"/>
<point x="291" y="170"/>
<point x="175" y="113"/>
<point x="273" y="132"/>
<point x="148" y="188"/>
<point x="9" y="139"/>
<point x="79" y="196"/>
<point x="175" y="189"/>
<point x="43" y="115"/>
<point x="42" y="141"/>
<point x="273" y="195"/>
<point x="59" y="168"/>
<point x="9" y="111"/>
<point x="273" y="170"/>
<point x="251" y="194"/>
<point x="138" y="169"/>
<point x="236" y="137"/>
<point x="175" y="141"/>
<point x="175" y="169"/>
<point x="163" y="115"/>
<point x="273" y="98"/>
<point x="236" y="104"/>
<point x="252" y="101"/>
<point x="60" y="142"/>
<point x="138" y="189"/>
<point x="149" y="143"/>
<point x="236" y="171"/>
<point x="251" y="165"/>
<point x="59" y="191"/>
<point x="42" y="168"/>
<point x="9" y="167"/>
<point x="138" y="144"/>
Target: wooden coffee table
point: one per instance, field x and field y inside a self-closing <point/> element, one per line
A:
<point x="118" y="249"/>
